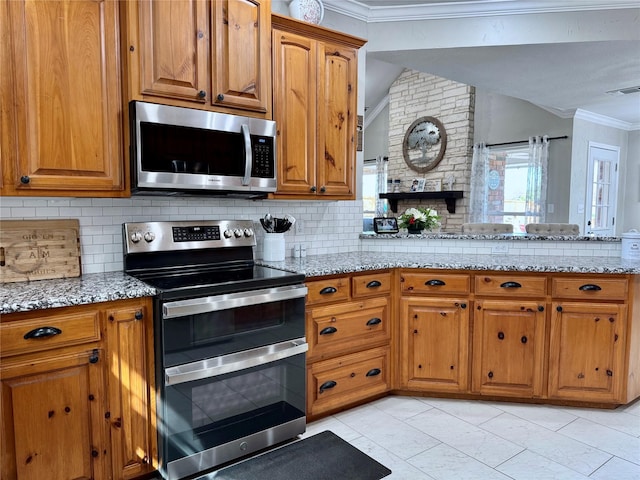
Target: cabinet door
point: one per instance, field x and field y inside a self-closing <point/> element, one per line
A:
<point x="62" y="97"/>
<point x="508" y="346"/>
<point x="586" y="353"/>
<point x="294" y="99"/>
<point x="169" y="49"/>
<point x="129" y="393"/>
<point x="52" y="413"/>
<point x="337" y="102"/>
<point x="435" y="344"/>
<point x="241" y="50"/>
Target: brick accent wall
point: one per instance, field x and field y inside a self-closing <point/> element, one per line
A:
<point x="414" y="95"/>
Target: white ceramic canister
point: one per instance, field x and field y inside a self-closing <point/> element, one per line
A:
<point x="311" y="11"/>
<point x="631" y="245"/>
<point x="273" y="247"/>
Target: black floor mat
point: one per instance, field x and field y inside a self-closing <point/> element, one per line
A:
<point x="324" y="456"/>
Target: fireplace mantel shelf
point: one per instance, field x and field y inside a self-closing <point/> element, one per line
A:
<point x="449" y="196"/>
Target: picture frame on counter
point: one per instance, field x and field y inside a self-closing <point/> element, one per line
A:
<point x="385" y="225"/>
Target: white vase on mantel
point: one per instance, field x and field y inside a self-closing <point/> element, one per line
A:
<point x="311" y="11"/>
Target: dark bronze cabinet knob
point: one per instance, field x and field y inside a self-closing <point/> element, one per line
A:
<point x="220" y="97"/>
<point x="202" y="94"/>
<point x="25" y="179"/>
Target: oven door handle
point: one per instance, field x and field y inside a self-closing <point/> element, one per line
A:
<point x="234" y="362"/>
<point x="182" y="308"/>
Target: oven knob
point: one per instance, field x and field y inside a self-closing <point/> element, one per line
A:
<point x="237" y="232"/>
<point x="228" y="234"/>
<point x="136" y="237"/>
<point x="149" y="237"/>
<point x="248" y="232"/>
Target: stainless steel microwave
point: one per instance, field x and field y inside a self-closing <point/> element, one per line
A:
<point x="177" y="150"/>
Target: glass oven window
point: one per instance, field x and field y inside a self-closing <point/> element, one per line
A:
<point x="207" y="413"/>
<point x="211" y="334"/>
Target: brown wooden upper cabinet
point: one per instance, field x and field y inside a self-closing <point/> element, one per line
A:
<point x="315" y="100"/>
<point x="211" y="55"/>
<point x="60" y="93"/>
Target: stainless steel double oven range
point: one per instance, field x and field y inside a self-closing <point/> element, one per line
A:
<point x="229" y="342"/>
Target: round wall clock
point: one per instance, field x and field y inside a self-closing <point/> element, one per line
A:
<point x="424" y="144"/>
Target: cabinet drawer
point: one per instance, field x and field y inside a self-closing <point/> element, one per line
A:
<point x="435" y="282"/>
<point x="346" y="327"/>
<point x="510" y="285"/>
<point x="588" y="288"/>
<point x="47" y="332"/>
<point x="330" y="290"/>
<point x="374" y="284"/>
<point x="349" y="379"/>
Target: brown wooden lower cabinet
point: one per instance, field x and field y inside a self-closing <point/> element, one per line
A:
<point x="345" y="380"/>
<point x="435" y="344"/>
<point x="76" y="387"/>
<point x="543" y="337"/>
<point x="508" y="348"/>
<point x="587" y="352"/>
<point x="348" y="327"/>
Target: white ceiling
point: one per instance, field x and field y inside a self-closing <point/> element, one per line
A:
<point x="561" y="77"/>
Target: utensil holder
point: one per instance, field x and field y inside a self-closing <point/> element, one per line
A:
<point x="273" y="247"/>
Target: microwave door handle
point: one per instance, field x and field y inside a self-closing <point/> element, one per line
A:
<point x="247" y="154"/>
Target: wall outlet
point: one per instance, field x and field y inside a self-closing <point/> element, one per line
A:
<point x="550" y="207"/>
<point x="500" y="249"/>
<point x="298" y="227"/>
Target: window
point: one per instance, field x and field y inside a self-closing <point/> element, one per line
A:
<point x="509" y="184"/>
<point x="374" y="177"/>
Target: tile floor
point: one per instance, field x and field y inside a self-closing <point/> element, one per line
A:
<point x="428" y="438"/>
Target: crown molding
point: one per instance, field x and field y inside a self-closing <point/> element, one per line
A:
<point x="604" y="120"/>
<point x="462" y="9"/>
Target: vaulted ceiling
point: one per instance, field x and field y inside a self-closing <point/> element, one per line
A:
<point x="561" y="77"/>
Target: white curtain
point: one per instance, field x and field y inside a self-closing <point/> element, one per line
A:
<point x="479" y="170"/>
<point x="382" y="205"/>
<point x="536" y="207"/>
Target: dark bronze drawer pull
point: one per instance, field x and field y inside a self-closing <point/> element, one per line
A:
<point x="435" y="283"/>
<point x="510" y="285"/>
<point x="328" y="330"/>
<point x="374" y="284"/>
<point x="373" y="372"/>
<point x="523" y="339"/>
<point x="327" y="385"/>
<point x="42" y="332"/>
<point x="374" y="321"/>
<point x="589" y="287"/>
<point x="328" y="290"/>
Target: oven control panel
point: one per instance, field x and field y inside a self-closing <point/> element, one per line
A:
<point x="141" y="237"/>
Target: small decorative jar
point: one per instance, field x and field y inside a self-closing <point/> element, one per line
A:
<point x="311" y="11"/>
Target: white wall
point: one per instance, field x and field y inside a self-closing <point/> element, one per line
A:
<point x="630" y="203"/>
<point x="499" y="118"/>
<point x="585" y="131"/>
<point x="376" y="136"/>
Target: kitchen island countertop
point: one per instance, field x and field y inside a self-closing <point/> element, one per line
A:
<point x="334" y="264"/>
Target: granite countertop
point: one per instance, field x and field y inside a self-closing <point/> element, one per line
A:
<point x="65" y="292"/>
<point x="104" y="287"/>
<point x="526" y="237"/>
<point x="318" y="265"/>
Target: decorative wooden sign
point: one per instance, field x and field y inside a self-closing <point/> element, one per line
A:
<point x="39" y="250"/>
